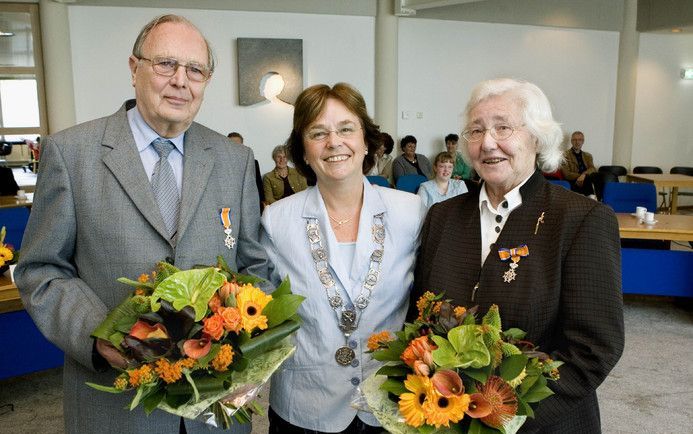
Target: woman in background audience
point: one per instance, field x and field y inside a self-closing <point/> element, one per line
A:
<point x="411" y="163"/>
<point x="549" y="258"/>
<point x="349" y="248"/>
<point x="383" y="159"/>
<point x="441" y="187"/>
<point x="460" y="169"/>
<point x="283" y="181"/>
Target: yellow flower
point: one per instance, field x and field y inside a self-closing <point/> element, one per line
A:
<point x="423" y="302"/>
<point x="120" y="383"/>
<point x="6" y="254"/>
<point x="379" y="339"/>
<point x="141" y="375"/>
<point x="459" y="311"/>
<point x="441" y="410"/>
<point x="411" y="404"/>
<point x="223" y="359"/>
<point x="186" y="363"/>
<point x="251" y="301"/>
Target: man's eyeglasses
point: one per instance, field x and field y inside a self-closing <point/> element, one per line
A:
<point x="498" y="132"/>
<point x="321" y="135"/>
<point x="167" y="67"/>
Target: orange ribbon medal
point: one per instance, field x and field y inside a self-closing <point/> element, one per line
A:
<point x="514" y="255"/>
<point x="225" y="216"/>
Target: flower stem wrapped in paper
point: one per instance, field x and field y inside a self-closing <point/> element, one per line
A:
<point x="200" y="343"/>
<point x="447" y="373"/>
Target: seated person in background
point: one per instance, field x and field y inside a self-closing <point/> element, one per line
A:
<point x="578" y="167"/>
<point x="383" y="159"/>
<point x="460" y="170"/>
<point x="411" y="163"/>
<point x="238" y="139"/>
<point x="441" y="187"/>
<point x="283" y="181"/>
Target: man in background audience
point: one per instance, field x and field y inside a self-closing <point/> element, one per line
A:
<point x="578" y="166"/>
<point x="238" y="139"/>
<point x="118" y="194"/>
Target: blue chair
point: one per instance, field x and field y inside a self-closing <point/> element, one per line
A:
<point x="410" y="183"/>
<point x="378" y="180"/>
<point x="14" y="220"/>
<point x="626" y="196"/>
<point x="562" y="182"/>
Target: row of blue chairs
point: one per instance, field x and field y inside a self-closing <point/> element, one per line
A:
<point x="409" y="183"/>
<point x="624" y="196"/>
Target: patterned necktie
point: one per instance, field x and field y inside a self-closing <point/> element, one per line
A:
<point x="164" y="185"/>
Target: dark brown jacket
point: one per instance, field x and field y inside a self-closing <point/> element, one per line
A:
<point x="567" y="294"/>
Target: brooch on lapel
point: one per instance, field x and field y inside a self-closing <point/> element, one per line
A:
<point x="225" y="217"/>
<point x="514" y="255"/>
<point x="540" y="220"/>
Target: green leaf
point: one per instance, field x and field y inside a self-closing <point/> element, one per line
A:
<point x="196" y="394"/>
<point x="538" y="392"/>
<point x="101" y="388"/>
<point x="527" y="384"/>
<point x="477" y="427"/>
<point x="283" y="288"/>
<point x="515" y="333"/>
<point x="268" y="338"/>
<point x="512" y="366"/>
<point x="281" y="308"/>
<point x="524" y="409"/>
<point x="392" y="353"/>
<point x="189" y="288"/>
<point x="393" y="370"/>
<point x="204" y="360"/>
<point x="127" y="311"/>
<point x="136" y="283"/>
<point x="393" y="386"/>
<point x="152" y="400"/>
<point x="481" y="375"/>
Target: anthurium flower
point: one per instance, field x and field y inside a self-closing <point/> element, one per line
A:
<point x="143" y="330"/>
<point x="447" y="382"/>
<point x="478" y="406"/>
<point x="197" y="348"/>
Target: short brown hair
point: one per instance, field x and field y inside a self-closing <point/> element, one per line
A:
<point x="444" y="157"/>
<point x="169" y="18"/>
<point x="310" y="104"/>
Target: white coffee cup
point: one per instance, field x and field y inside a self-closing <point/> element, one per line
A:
<point x="649" y="217"/>
<point x="21" y="194"/>
<point x="640" y="212"/>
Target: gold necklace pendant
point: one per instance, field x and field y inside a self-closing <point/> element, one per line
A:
<point x="339" y="223"/>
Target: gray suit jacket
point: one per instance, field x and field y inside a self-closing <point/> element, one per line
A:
<point x="94" y="219"/>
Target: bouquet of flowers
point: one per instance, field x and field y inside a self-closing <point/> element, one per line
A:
<point x="448" y="373"/>
<point x="8" y="256"/>
<point x="200" y="343"/>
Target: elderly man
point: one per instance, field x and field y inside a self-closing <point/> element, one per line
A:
<point x="116" y="195"/>
<point x="578" y="166"/>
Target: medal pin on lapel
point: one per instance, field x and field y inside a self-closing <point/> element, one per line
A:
<point x="225" y="217"/>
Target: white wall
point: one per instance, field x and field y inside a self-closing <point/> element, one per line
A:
<point x="440" y="62"/>
<point x="335" y="48"/>
<point x="663" y="127"/>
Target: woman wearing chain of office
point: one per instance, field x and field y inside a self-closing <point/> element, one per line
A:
<point x="349" y="248"/>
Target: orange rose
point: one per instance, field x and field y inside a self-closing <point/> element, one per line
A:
<point x="232" y="318"/>
<point x="214" y="303"/>
<point x="418" y="349"/>
<point x="214" y="326"/>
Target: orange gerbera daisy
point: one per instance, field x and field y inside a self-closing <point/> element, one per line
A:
<point x="441" y="410"/>
<point x="411" y="404"/>
<point x="502" y="399"/>
<point x="250" y="301"/>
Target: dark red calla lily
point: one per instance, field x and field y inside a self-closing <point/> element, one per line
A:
<point x="448" y="383"/>
<point x="478" y="406"/>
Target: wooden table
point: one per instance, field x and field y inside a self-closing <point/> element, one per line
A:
<point x="13" y="202"/>
<point x="673" y="181"/>
<point x="9" y="296"/>
<point x="673" y="227"/>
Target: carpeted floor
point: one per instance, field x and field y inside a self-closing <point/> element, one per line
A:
<point x="649" y="391"/>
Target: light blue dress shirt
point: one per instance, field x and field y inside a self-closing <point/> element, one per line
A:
<point x="429" y="191"/>
<point x="144" y="136"/>
<point x="311" y="390"/>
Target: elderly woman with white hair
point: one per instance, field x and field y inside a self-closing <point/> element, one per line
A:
<point x="549" y="258"/>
